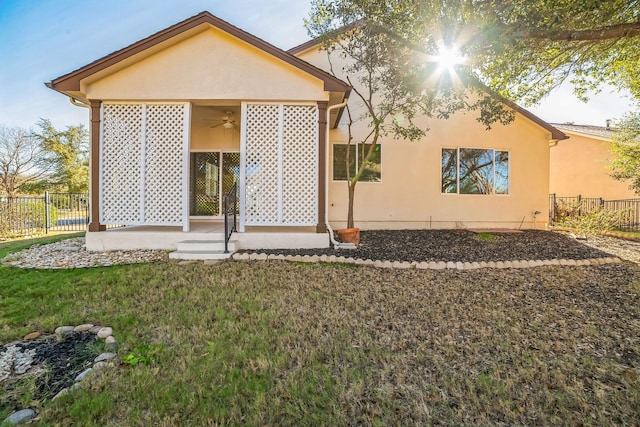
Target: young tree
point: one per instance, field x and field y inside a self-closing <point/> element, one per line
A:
<point x="626" y="149"/>
<point x="392" y="82"/>
<point x="67" y="154"/>
<point x="21" y="160"/>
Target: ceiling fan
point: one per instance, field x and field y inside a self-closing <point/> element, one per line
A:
<point x="227" y="121"/>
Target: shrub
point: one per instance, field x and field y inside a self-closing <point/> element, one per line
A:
<point x="598" y="221"/>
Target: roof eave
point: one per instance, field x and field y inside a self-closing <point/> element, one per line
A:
<point x="556" y="134"/>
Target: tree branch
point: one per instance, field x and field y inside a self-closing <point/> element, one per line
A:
<point x="617" y="31"/>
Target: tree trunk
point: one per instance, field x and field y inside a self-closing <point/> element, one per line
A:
<point x="352" y="191"/>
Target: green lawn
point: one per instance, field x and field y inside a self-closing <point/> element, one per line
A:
<point x="276" y="343"/>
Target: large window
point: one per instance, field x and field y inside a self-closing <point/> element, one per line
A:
<point x="372" y="170"/>
<point x="475" y="171"/>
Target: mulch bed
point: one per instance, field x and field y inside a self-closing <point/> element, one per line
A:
<point x="57" y="362"/>
<point x="458" y="245"/>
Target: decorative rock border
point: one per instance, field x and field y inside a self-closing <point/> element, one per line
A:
<point x="101" y="361"/>
<point x="430" y="265"/>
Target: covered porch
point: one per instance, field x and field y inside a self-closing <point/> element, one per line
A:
<point x="165" y="168"/>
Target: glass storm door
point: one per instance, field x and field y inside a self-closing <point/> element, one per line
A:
<point x="212" y="176"/>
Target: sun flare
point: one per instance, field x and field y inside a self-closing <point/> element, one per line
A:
<point x="448" y="57"/>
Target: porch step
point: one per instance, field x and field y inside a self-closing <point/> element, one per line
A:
<point x="200" y="255"/>
<point x="205" y="245"/>
<point x="203" y="250"/>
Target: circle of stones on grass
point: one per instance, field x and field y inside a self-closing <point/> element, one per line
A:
<point x="16" y="360"/>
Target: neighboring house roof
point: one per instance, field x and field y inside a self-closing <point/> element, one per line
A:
<point x="599" y="132"/>
<point x="556" y="134"/>
<point x="71" y="81"/>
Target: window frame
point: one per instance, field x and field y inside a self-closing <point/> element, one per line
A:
<point x="495" y="181"/>
<point x="357" y="161"/>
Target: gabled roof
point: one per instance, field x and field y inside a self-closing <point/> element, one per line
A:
<point x="71" y="81"/>
<point x="598" y="132"/>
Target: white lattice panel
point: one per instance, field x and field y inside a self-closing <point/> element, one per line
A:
<point x="281" y="165"/>
<point x="262" y="164"/>
<point x="300" y="165"/>
<point x="163" y="164"/>
<point x="121" y="164"/>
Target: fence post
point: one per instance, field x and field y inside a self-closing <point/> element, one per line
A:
<point x="552" y="211"/>
<point x="47" y="207"/>
<point x="579" y="204"/>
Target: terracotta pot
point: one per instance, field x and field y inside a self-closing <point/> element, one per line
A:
<point x="349" y="235"/>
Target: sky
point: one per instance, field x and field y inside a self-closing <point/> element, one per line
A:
<point x="41" y="40"/>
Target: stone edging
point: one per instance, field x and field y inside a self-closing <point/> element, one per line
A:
<point x="100" y="362"/>
<point x="431" y="265"/>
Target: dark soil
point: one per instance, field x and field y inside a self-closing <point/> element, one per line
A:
<point x="56" y="364"/>
<point x="458" y="245"/>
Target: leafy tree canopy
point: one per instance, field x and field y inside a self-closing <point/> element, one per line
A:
<point x="522" y="49"/>
<point x="67" y="154"/>
<point x="626" y="148"/>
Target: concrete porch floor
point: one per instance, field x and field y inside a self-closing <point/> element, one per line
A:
<point x="167" y="238"/>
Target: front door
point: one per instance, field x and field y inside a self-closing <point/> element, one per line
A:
<point x="212" y="176"/>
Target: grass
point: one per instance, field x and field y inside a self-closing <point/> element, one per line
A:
<point x="628" y="235"/>
<point x="486" y="236"/>
<point x="276" y="343"/>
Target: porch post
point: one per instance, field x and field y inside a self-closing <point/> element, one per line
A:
<point x="94" y="172"/>
<point x="322" y="165"/>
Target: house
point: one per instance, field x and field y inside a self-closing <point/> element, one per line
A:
<point x="181" y="116"/>
<point x="580" y="165"/>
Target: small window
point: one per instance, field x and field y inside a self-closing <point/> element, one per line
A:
<point x="372" y="170"/>
<point x="475" y="171"/>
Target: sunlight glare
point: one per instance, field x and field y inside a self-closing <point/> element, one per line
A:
<point x="448" y="58"/>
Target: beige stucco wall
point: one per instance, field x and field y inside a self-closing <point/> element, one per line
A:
<point x="580" y="165"/>
<point x="209" y="65"/>
<point x="410" y="196"/>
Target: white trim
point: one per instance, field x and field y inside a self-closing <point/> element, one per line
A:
<point x="243" y="164"/>
<point x="143" y="102"/>
<point x="283" y="103"/>
<point x="143" y="159"/>
<point x="214" y="150"/>
<point x="186" y="143"/>
<point x="101" y="168"/>
<point x="280" y="161"/>
<point x="317" y="161"/>
<point x="220" y="190"/>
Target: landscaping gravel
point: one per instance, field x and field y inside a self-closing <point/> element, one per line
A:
<point x="458" y="246"/>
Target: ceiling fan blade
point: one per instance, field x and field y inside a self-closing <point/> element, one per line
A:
<point x="218" y="125"/>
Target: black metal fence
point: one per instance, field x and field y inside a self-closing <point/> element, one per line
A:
<point x="560" y="207"/>
<point x="24" y="216"/>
